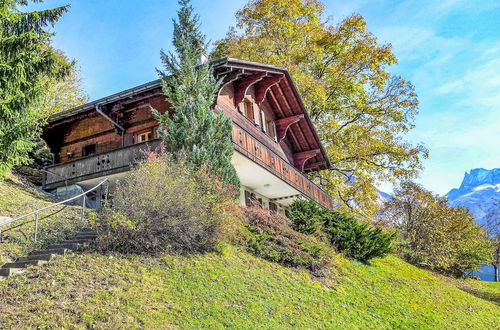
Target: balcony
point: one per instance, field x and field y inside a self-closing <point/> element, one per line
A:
<point x="99" y="165"/>
<point x="249" y="146"/>
<point x="271" y="168"/>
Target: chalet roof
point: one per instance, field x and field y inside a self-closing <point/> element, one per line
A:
<point x="149" y="86"/>
<point x="224" y="68"/>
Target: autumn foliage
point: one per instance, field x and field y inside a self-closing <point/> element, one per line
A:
<point x="360" y="109"/>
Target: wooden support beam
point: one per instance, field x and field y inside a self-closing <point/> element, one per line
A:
<point x="229" y="78"/>
<point x="300" y="158"/>
<point x="263" y="86"/>
<point x="283" y="124"/>
<point x="314" y="166"/>
<point x="241" y="86"/>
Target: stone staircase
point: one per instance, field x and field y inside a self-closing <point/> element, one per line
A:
<point x="81" y="240"/>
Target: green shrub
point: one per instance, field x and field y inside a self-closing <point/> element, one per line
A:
<point x="356" y="240"/>
<point x="306" y="216"/>
<point x="350" y="237"/>
<point x="271" y="237"/>
<point x="165" y="206"/>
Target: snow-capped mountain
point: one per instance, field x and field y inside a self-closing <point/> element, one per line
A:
<point x="479" y="192"/>
<point x="382" y="197"/>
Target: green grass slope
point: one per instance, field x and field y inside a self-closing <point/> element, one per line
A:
<point x="18" y="198"/>
<point x="237" y="290"/>
<point x="232" y="289"/>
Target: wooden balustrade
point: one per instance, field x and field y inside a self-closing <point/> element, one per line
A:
<point x="248" y="145"/>
<point x="103" y="164"/>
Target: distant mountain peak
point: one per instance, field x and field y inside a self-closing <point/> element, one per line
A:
<point x="479" y="176"/>
<point x="479" y="189"/>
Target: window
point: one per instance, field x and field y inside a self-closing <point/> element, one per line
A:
<point x="145" y="136"/>
<point x="271" y="129"/>
<point x="89" y="150"/>
<point x="273" y="208"/>
<point x="248" y="198"/>
<point x="251" y="200"/>
<point x="246" y="109"/>
<point x="267" y="125"/>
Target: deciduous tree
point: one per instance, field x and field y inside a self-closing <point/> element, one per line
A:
<point x="194" y="129"/>
<point x="26" y="60"/>
<point x="434" y="234"/>
<point x="63" y="93"/>
<point x="360" y="109"/>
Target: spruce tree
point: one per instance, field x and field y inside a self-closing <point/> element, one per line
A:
<point x="195" y="130"/>
<point x="27" y="61"/>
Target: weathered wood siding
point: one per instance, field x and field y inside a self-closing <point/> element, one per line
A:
<point x="225" y="101"/>
<point x="95" y="129"/>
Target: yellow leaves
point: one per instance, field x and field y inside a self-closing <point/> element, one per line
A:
<point x="360" y="109"/>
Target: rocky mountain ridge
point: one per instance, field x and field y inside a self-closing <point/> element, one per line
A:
<point x="479" y="192"/>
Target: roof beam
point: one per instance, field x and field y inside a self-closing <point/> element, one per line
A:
<point x="241" y="86"/>
<point x="300" y="158"/>
<point x="263" y="86"/>
<point x="229" y="78"/>
<point x="314" y="166"/>
<point x="283" y="124"/>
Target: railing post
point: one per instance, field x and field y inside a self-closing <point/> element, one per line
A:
<point x="106" y="192"/>
<point x="36" y="226"/>
<point x="83" y="207"/>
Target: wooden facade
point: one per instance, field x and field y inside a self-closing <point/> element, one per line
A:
<point x="270" y="127"/>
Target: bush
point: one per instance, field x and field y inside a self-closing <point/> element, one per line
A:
<point x="306" y="216"/>
<point x="271" y="237"/>
<point x="165" y="206"/>
<point x="353" y="239"/>
<point x="356" y="240"/>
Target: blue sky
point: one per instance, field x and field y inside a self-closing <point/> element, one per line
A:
<point x="449" y="49"/>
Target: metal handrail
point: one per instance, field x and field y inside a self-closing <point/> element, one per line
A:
<point x="36" y="212"/>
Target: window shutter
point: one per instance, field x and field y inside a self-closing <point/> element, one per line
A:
<point x="263" y="121"/>
<point x="128" y="139"/>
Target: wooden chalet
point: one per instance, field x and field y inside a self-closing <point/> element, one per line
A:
<point x="274" y="140"/>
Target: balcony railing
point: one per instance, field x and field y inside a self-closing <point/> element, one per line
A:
<point x="102" y="164"/>
<point x="245" y="143"/>
<point x="121" y="160"/>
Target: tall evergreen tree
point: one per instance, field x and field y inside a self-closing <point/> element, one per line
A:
<point x="27" y="61"/>
<point x="194" y="129"/>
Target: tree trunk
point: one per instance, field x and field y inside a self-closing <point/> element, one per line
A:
<point x="495" y="272"/>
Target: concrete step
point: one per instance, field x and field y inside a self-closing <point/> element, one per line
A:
<point x="11" y="271"/>
<point x="23" y="264"/>
<point x="50" y="251"/>
<point x="87" y="231"/>
<point x="76" y="241"/>
<point x="85" y="236"/>
<point x="70" y="246"/>
<point x="45" y="257"/>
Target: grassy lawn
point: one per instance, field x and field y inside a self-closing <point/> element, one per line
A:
<point x="234" y="289"/>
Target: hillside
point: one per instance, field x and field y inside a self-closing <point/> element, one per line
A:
<point x="237" y="290"/>
<point x="234" y="289"/>
<point x="18" y="198"/>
